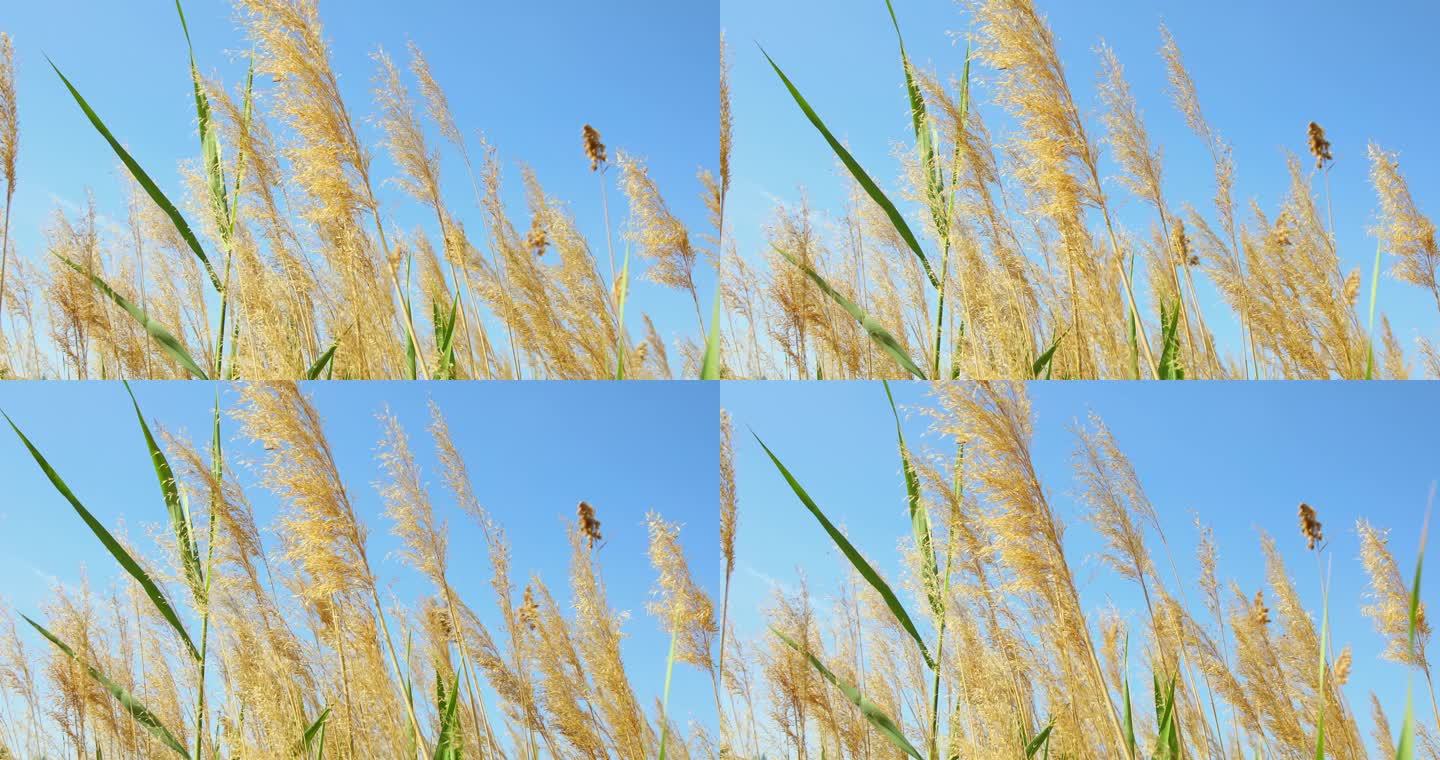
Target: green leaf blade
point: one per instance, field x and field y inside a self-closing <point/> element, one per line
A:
<point x="133" y="706"/>
<point x="151" y="589"/>
<point x="872" y="712"/>
<point x="861" y="566"/>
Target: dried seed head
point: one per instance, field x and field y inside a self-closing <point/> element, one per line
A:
<point x="1282" y="229"/>
<point x="536" y="239"/>
<point x="529" y="610"/>
<point x="1319" y="146"/>
<point x="594" y="149"/>
<point x="588" y="524"/>
<point x="1310" y="526"/>
<point x="1260" y="611"/>
<point x="1342" y="666"/>
<point x="1181" y="244"/>
<point x="1352" y="286"/>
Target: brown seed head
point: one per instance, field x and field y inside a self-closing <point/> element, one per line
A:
<point x="588" y="524"/>
<point x="536" y="239"/>
<point x="1319" y="146"/>
<point x="1342" y="666"/>
<point x="529" y="610"/>
<point x="594" y="149"/>
<point x="1181" y="244"/>
<point x="1261" y="612"/>
<point x="1310" y="526"/>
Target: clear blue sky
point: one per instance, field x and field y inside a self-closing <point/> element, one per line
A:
<point x="1241" y="456"/>
<point x="1263" y="71"/>
<point x="534" y="451"/>
<point x="528" y="75"/>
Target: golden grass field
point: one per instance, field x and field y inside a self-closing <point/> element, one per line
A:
<point x="984" y="649"/>
<point x="277" y="260"/>
<point x="1000" y="256"/>
<point x="997" y="251"/>
<point x="242" y="640"/>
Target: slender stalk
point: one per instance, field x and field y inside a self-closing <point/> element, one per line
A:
<point x="395" y="662"/>
<point x="665" y="697"/>
<point x="720" y="664"/>
<point x="482" y="718"/>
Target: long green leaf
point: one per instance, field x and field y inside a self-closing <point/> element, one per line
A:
<point x="878" y="333"/>
<point x="924" y="140"/>
<point x="1170" y="368"/>
<point x="1167" y="740"/>
<point x="138" y="711"/>
<point x="1324" y="644"/>
<point x="1405" y="749"/>
<point x="179" y="520"/>
<point x="141" y="177"/>
<point x="710" y="367"/>
<point x="1129" y="711"/>
<point x="1041" y="739"/>
<point x="209" y="141"/>
<point x="867" y="184"/>
<point x="872" y="712"/>
<point x="624" y="289"/>
<point x="115" y="548"/>
<point x="919" y="518"/>
<point x="665" y="700"/>
<point x="449" y="745"/>
<point x="157" y="331"/>
<point x="445" y="341"/>
<point x="322" y="362"/>
<point x="1043" y="361"/>
<point x="861" y="566"/>
<point x="313" y="736"/>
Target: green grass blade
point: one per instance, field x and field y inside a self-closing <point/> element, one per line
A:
<point x="620" y="348"/>
<point x="919" y="518"/>
<point x="710" y="367"/>
<point x="1041" y="739"/>
<point x="449" y="745"/>
<point x="878" y="333"/>
<point x="157" y="331"/>
<point x="109" y="541"/>
<point x="665" y="699"/>
<point x="314" y="735"/>
<point x="1405" y="749"/>
<point x="1324" y="642"/>
<point x="323" y="362"/>
<point x="209" y="141"/>
<point x="179" y="519"/>
<point x="924" y="140"/>
<point x="861" y="566"/>
<point x="1167" y="739"/>
<point x="445" y="339"/>
<point x="1170" y="343"/>
<point x="1370" y="324"/>
<point x="1043" y="361"/>
<point x="143" y="179"/>
<point x="872" y="712"/>
<point x="137" y="711"/>
<point x="867" y="184"/>
<point x="1129" y="710"/>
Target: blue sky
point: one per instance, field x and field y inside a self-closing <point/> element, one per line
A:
<point x="1263" y="71"/>
<point x="534" y="451"/>
<point x="1240" y="456"/>
<point x="528" y="75"/>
